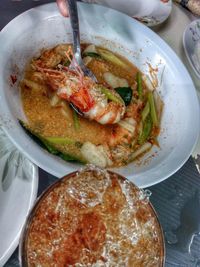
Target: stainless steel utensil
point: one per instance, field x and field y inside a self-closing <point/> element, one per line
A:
<point x="73" y="14"/>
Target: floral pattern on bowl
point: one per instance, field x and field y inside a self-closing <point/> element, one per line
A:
<point x="151" y="12"/>
<point x="191" y="43"/>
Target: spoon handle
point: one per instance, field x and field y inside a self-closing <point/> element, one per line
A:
<point x="73" y="14"/>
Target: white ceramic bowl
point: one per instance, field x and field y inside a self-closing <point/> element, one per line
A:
<point x="151" y="12"/>
<point x="18" y="191"/>
<point x="43" y="27"/>
<point x="191" y="44"/>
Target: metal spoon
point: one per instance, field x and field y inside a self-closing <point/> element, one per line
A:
<point x="73" y="14"/>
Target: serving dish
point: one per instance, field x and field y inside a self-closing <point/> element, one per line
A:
<point x="151" y="13"/>
<point x="18" y="191"/>
<point x="45" y="27"/>
<point x="191" y="44"/>
<point x="92" y="217"/>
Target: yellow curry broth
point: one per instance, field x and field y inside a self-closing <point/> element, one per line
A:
<point x="99" y="67"/>
<point x="49" y="121"/>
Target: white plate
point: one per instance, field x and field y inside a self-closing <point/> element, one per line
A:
<point x="191" y="44"/>
<point x="43" y="26"/>
<point x="151" y="12"/>
<point x="18" y="190"/>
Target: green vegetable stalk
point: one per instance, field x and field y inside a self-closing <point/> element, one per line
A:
<point x="146" y="131"/>
<point x="153" y="112"/>
<point x="49" y="142"/>
<point x="111" y="96"/>
<point x="145" y="111"/>
<point x="59" y="140"/>
<point x="109" y="56"/>
<point x="91" y="54"/>
<point x="76" y="120"/>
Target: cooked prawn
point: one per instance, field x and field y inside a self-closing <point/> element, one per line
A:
<point x="85" y="94"/>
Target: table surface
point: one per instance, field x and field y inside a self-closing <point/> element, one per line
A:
<point x="176" y="200"/>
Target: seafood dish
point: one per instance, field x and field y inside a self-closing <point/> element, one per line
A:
<point x="92" y="218"/>
<point x="109" y="122"/>
<point x="66" y="138"/>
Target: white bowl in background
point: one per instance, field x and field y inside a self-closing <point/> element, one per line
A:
<point x="43" y="27"/>
<point x="191" y="44"/>
<point x="151" y="12"/>
<point x="18" y="191"/>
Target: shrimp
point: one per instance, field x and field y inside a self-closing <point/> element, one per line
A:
<point x="87" y="95"/>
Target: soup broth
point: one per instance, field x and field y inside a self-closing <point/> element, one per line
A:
<point x="52" y="120"/>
